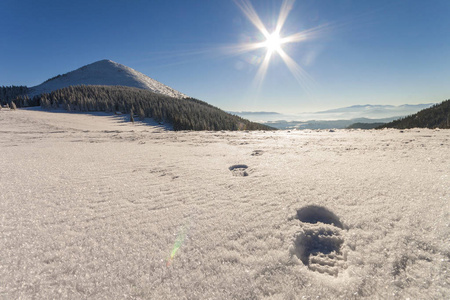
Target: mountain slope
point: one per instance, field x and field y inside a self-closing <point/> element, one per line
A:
<point x="183" y="114"/>
<point x="437" y="116"/>
<point x="105" y="72"/>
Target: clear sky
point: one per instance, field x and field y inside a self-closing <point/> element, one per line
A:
<point x="355" y="52"/>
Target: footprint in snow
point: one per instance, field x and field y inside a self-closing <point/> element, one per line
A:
<point x="239" y="170"/>
<point x="319" y="244"/>
<point x="257" y="152"/>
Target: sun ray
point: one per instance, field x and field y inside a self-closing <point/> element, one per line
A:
<point x="262" y="70"/>
<point x="308" y="34"/>
<point x="242" y="48"/>
<point x="302" y="77"/>
<point x="249" y="11"/>
<point x="286" y="8"/>
<point x="295" y="38"/>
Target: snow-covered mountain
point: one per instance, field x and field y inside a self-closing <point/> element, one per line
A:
<point x="105" y="72"/>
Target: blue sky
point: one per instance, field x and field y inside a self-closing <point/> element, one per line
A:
<point x="368" y="52"/>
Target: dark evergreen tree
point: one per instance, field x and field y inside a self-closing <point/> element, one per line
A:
<point x="437" y="116"/>
<point x="132" y="115"/>
<point x="9" y="93"/>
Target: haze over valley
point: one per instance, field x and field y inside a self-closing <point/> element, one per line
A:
<point x="334" y="118"/>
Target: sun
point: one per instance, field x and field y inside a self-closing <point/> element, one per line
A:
<point x="273" y="42"/>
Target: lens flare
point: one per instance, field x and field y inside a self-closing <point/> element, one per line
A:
<point x="178" y="242"/>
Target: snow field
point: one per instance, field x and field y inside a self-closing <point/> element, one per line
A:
<point x="92" y="207"/>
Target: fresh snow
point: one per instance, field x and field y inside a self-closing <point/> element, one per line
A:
<point x="92" y="207"/>
<point x="105" y="72"/>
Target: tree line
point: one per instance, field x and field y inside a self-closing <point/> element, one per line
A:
<point x="13" y="93"/>
<point x="436" y="116"/>
<point x="183" y="114"/>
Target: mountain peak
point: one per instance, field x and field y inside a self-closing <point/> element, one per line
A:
<point x="105" y="62"/>
<point x="105" y="72"/>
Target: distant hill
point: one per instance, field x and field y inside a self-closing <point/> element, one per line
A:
<point x="437" y="116"/>
<point x="183" y="114"/>
<point x="105" y="72"/>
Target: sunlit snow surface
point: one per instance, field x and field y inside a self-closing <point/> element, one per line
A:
<point x="91" y="207"/>
<point x="106" y="72"/>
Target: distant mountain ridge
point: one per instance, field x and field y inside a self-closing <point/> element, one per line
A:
<point x="340" y="116"/>
<point x="253" y="112"/>
<point x="378" y="108"/>
<point x="105" y="72"/>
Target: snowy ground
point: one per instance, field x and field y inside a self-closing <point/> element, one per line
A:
<point x="92" y="207"/>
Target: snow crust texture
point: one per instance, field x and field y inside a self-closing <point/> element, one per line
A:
<point x="105" y="72"/>
<point x="94" y="207"/>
